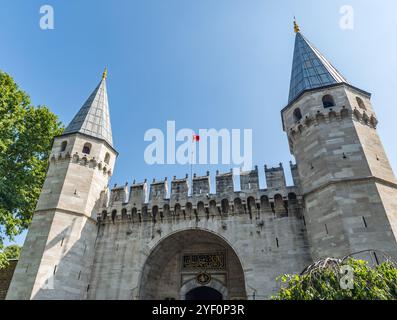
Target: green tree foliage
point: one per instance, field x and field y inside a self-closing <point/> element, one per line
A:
<point x="10" y="252"/>
<point x="26" y="134"/>
<point x="368" y="283"/>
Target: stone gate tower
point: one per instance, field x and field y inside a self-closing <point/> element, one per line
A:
<point x="348" y="187"/>
<point x="58" y="253"/>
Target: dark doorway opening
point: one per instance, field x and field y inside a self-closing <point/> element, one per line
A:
<point x="203" y="293"/>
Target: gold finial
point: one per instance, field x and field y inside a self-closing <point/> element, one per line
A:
<point x="296" y="26"/>
<point x="105" y="74"/>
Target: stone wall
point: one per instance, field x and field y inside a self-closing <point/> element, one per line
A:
<point x="266" y="246"/>
<point x="261" y="229"/>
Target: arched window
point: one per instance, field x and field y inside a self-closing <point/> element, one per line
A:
<point x="200" y="208"/>
<point x="213" y="208"/>
<point x="238" y="206"/>
<point x="114" y="213"/>
<point x="291" y="196"/>
<point x="328" y="101"/>
<point x="63" y="146"/>
<point x="225" y="206"/>
<point x="87" y="148"/>
<point x="177" y="209"/>
<point x="297" y="114"/>
<point x="251" y="203"/>
<point x="107" y="157"/>
<point x="278" y="200"/>
<point x="264" y="202"/>
<point x="361" y="103"/>
<point x="155" y="211"/>
<point x="134" y="213"/>
<point x="189" y="209"/>
<point x="166" y="210"/>
<point x="124" y="213"/>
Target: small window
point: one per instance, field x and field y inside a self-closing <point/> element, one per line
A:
<point x="361" y="103"/>
<point x="87" y="148"/>
<point x="107" y="158"/>
<point x="114" y="213"/>
<point x="328" y="101"/>
<point x="63" y="146"/>
<point x="297" y="114"/>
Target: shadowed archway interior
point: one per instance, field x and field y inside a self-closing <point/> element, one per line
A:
<point x="166" y="276"/>
<point x="203" y="293"/>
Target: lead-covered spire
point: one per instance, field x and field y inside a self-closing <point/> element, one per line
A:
<point x="93" y="117"/>
<point x="310" y="69"/>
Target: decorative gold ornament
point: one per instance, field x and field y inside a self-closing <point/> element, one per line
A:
<point x="203" y="278"/>
<point x="296" y="26"/>
<point x="105" y="74"/>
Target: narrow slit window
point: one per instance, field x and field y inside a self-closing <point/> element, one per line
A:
<point x="107" y="158"/>
<point x="365" y="222"/>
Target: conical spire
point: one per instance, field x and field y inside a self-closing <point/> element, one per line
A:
<point x="93" y="117"/>
<point x="310" y="69"/>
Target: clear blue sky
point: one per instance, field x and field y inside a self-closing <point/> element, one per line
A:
<point x="203" y="63"/>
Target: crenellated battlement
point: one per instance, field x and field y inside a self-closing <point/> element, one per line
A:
<point x="335" y="114"/>
<point x="81" y="159"/>
<point x="249" y="180"/>
<point x="277" y="199"/>
<point x="275" y="177"/>
<point x="201" y="185"/>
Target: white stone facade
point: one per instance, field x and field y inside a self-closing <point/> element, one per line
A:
<point x="87" y="241"/>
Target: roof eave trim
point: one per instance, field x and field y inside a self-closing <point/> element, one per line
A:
<point x="326" y="87"/>
<point x="368" y="94"/>
<point x="92" y="137"/>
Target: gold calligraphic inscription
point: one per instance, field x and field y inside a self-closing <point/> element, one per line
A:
<point x="214" y="261"/>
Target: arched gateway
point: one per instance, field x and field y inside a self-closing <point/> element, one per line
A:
<point x="192" y="265"/>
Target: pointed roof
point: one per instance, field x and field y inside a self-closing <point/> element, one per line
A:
<point x="310" y="69"/>
<point x="93" y="117"/>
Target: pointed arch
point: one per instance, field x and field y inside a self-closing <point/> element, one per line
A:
<point x="64" y="145"/>
<point x="297" y="115"/>
<point x="107" y="158"/>
<point x="225" y="206"/>
<point x="87" y="148"/>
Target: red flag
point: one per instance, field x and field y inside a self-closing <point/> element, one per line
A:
<point x="196" y="137"/>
